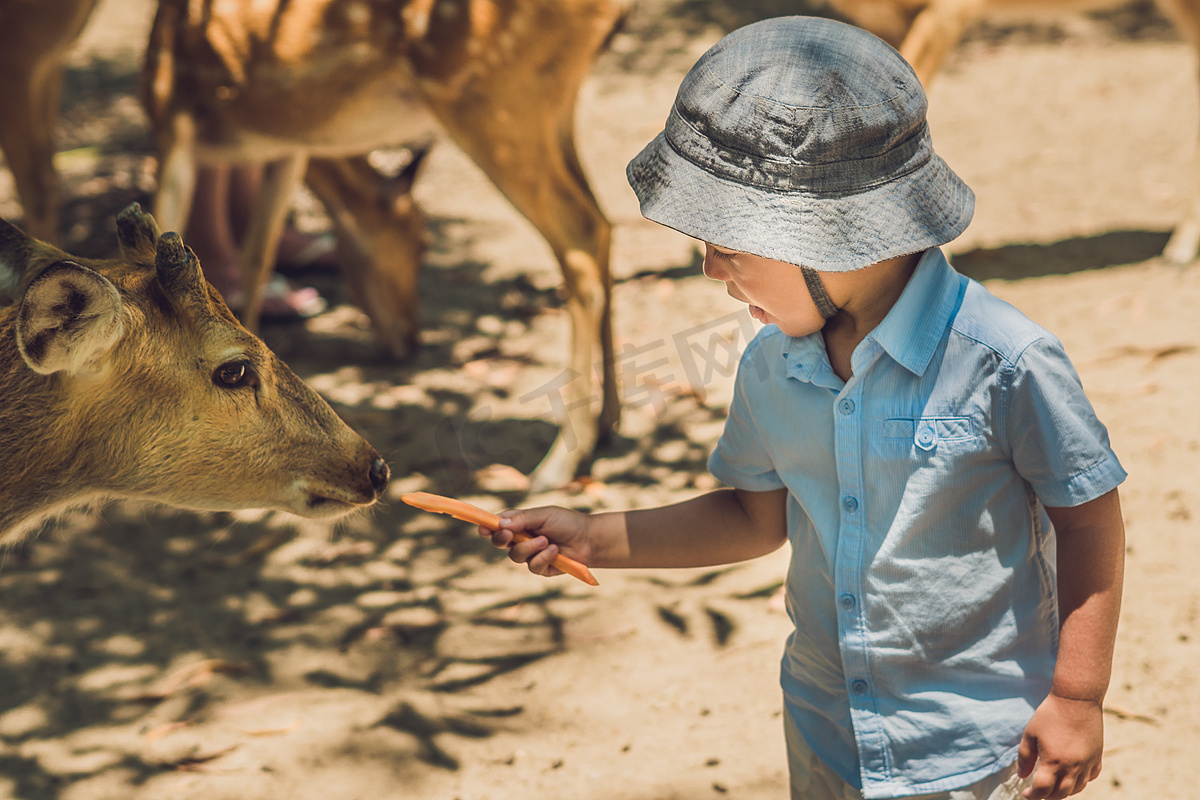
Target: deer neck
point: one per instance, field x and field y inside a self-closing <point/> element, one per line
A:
<point x="43" y="459"/>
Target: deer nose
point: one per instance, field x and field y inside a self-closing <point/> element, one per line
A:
<point x="380" y="474"/>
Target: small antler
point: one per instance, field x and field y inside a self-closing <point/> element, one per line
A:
<point x="136" y="230"/>
<point x="178" y="268"/>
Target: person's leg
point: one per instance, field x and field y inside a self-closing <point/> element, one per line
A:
<point x="209" y="232"/>
<point x="220" y="206"/>
<point x="298" y="251"/>
<point x="244" y="182"/>
<point x="809" y="778"/>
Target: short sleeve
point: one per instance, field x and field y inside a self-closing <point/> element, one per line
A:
<point x="1058" y="444"/>
<point x="740" y="459"/>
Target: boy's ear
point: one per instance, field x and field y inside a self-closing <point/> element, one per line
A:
<point x="69" y="317"/>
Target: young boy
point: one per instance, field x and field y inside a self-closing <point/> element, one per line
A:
<point x="925" y="449"/>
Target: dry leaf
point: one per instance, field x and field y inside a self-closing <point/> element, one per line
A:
<point x="195" y="761"/>
<point x="159" y="731"/>
<point x="191" y="676"/>
<point x="1120" y="713"/>
<point x="296" y="725"/>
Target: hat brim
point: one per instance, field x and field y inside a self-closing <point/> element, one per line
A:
<point x="926" y="207"/>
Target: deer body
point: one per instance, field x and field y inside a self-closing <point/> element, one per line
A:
<point x="313" y="85"/>
<point x="926" y="31"/>
<point x="130" y="378"/>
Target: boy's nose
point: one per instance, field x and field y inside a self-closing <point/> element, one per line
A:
<point x="712" y="269"/>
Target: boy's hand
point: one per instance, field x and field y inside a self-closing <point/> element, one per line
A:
<point x="1065" y="741"/>
<point x="553" y="529"/>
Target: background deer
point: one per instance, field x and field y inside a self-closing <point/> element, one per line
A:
<point x="313" y="85"/>
<point x="293" y="83"/>
<point x="34" y="40"/>
<point x="130" y="378"/>
<point x="926" y="31"/>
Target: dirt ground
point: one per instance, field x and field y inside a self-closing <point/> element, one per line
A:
<point x="148" y="653"/>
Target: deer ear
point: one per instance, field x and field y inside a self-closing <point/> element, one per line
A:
<point x="70" y="316"/>
<point x="402" y="184"/>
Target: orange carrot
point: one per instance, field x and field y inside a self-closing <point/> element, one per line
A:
<point x="454" y="507"/>
<point x="486" y="519"/>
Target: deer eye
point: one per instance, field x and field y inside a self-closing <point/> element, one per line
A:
<point x="234" y="374"/>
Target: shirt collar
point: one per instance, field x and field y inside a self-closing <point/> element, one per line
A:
<point x="807" y="361"/>
<point x="912" y="330"/>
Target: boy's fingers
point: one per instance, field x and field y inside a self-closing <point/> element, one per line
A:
<point x="543" y="562"/>
<point x="1044" y="784"/>
<point x="512" y="519"/>
<point x="522" y="552"/>
<point x="1026" y="756"/>
<point x="526" y="519"/>
<point x="1069" y="783"/>
<point x="500" y="538"/>
<point x="1049" y="784"/>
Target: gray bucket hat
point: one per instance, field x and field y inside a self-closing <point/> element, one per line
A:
<point x="803" y="140"/>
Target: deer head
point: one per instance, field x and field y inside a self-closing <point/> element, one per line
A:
<point x="130" y="377"/>
<point x="381" y="241"/>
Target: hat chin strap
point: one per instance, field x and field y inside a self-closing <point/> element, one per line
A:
<point x="816" y="288"/>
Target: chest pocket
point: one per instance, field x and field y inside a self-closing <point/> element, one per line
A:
<point x="930" y="434"/>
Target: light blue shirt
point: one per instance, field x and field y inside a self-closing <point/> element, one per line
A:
<point x="922" y="577"/>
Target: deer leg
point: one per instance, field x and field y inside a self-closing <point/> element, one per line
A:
<point x="610" y="410"/>
<point x="27" y="126"/>
<point x="1184" y="244"/>
<point x="280" y="180"/>
<point x="176" y="174"/>
<point x="513" y="112"/>
<point x="567" y="214"/>
<point x="536" y="166"/>
<point x="934" y="34"/>
<point x="35" y="42"/>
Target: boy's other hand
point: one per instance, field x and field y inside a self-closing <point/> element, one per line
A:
<point x="1062" y="747"/>
<point x="553" y="530"/>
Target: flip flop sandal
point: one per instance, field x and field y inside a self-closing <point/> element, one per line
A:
<point x="283" y="304"/>
<point x="316" y="255"/>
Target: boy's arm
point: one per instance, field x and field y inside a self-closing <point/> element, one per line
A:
<point x="718" y="527"/>
<point x="1066" y="735"/>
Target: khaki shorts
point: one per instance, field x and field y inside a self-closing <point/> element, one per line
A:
<point x="812" y="780"/>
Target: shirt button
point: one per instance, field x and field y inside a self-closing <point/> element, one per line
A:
<point x="846" y="406"/>
<point x="858" y="686"/>
<point x="926" y="437"/>
<point x="847" y="601"/>
<point x="849" y="503"/>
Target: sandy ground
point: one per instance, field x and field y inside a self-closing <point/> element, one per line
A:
<point x="147" y="653"/>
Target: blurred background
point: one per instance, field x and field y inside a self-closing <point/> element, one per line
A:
<point x="150" y="653"/>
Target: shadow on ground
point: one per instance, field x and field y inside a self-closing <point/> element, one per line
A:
<point x="139" y="622"/>
<point x="1016" y="261"/>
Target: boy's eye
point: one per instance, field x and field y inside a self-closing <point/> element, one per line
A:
<point x="721" y="255"/>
